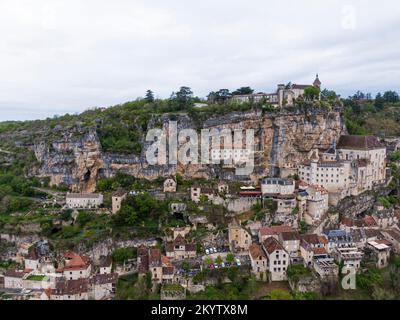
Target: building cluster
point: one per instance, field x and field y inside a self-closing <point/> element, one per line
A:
<point x="285" y="95"/>
<point x="70" y="277"/>
<point x="355" y="165"/>
<point x="277" y="247"/>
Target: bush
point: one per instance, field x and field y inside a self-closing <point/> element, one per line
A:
<point x="120" y="255"/>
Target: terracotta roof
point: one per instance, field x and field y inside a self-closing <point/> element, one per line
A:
<point x="359" y="143"/>
<point x="393" y="233"/>
<point x="318" y="251"/>
<point x="323" y="240"/>
<point x="290" y="236"/>
<point x="319" y="188"/>
<point x="99" y="279"/>
<point x="70" y="287"/>
<point x="154" y="258"/>
<point x="313" y="239"/>
<point x="14" y="273"/>
<point x="75" y="262"/>
<point x="119" y="193"/>
<point x="369" y="221"/>
<point x="165" y="261"/>
<point x="256" y="252"/>
<point x="179" y="240"/>
<point x="274" y="230"/>
<point x="271" y="244"/>
<point x="384" y="241"/>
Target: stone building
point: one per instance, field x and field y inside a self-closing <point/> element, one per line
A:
<point x="239" y="238"/>
<point x="170" y="185"/>
<point x="117" y="199"/>
<point x="259" y="262"/>
<point x="355" y="165"/>
<point x="278" y="259"/>
<point x="179" y="249"/>
<point x="84" y="201"/>
<point x="285" y="95"/>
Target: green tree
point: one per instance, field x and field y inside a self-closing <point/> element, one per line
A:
<point x="391" y="96"/>
<point x="230" y="257"/>
<point x="379" y="102"/>
<point x="243" y="90"/>
<point x="218" y="260"/>
<point x="149" y="96"/>
<point x="311" y="93"/>
<point x="182" y="99"/>
<point x="83" y="218"/>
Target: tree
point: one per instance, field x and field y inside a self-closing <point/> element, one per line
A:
<point x="391" y="96"/>
<point x="120" y="255"/>
<point x="185" y="266"/>
<point x="329" y="95"/>
<point x="149" y="96"/>
<point x="218" y="260"/>
<point x="243" y="90"/>
<point x="379" y="102"/>
<point x="208" y="261"/>
<point x="220" y="97"/>
<point x="83" y="218"/>
<point x="311" y="93"/>
<point x="182" y="99"/>
<point x="359" y="95"/>
<point x="230" y="257"/>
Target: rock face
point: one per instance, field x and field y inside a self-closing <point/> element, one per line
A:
<point x="281" y="141"/>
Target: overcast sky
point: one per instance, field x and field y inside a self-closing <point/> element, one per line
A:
<point x="67" y="56"/>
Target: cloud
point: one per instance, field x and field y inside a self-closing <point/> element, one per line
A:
<point x="65" y="56"/>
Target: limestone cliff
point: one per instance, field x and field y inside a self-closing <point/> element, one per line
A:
<point x="281" y="141"/>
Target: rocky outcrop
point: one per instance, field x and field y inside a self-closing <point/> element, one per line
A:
<point x="281" y="140"/>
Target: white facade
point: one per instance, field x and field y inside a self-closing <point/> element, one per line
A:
<point x="75" y="274"/>
<point x="84" y="201"/>
<point x="277" y="186"/>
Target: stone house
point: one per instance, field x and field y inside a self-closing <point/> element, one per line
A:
<point x="75" y="266"/>
<point x="13" y="279"/>
<point x="273" y="231"/>
<point x="311" y="246"/>
<point x="117" y="199"/>
<point x="196" y="192"/>
<point x="84" y="201"/>
<point x="258" y="261"/>
<point x="170" y="185"/>
<point x="102" y="285"/>
<point x="223" y="187"/>
<point x="380" y="252"/>
<point x="291" y="243"/>
<point x="278" y="259"/>
<point x="75" y="289"/>
<point x="239" y="238"/>
<point x="393" y="235"/>
<point x="179" y="249"/>
<point x="105" y="265"/>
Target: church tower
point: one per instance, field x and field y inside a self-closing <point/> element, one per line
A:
<point x="317" y="83"/>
